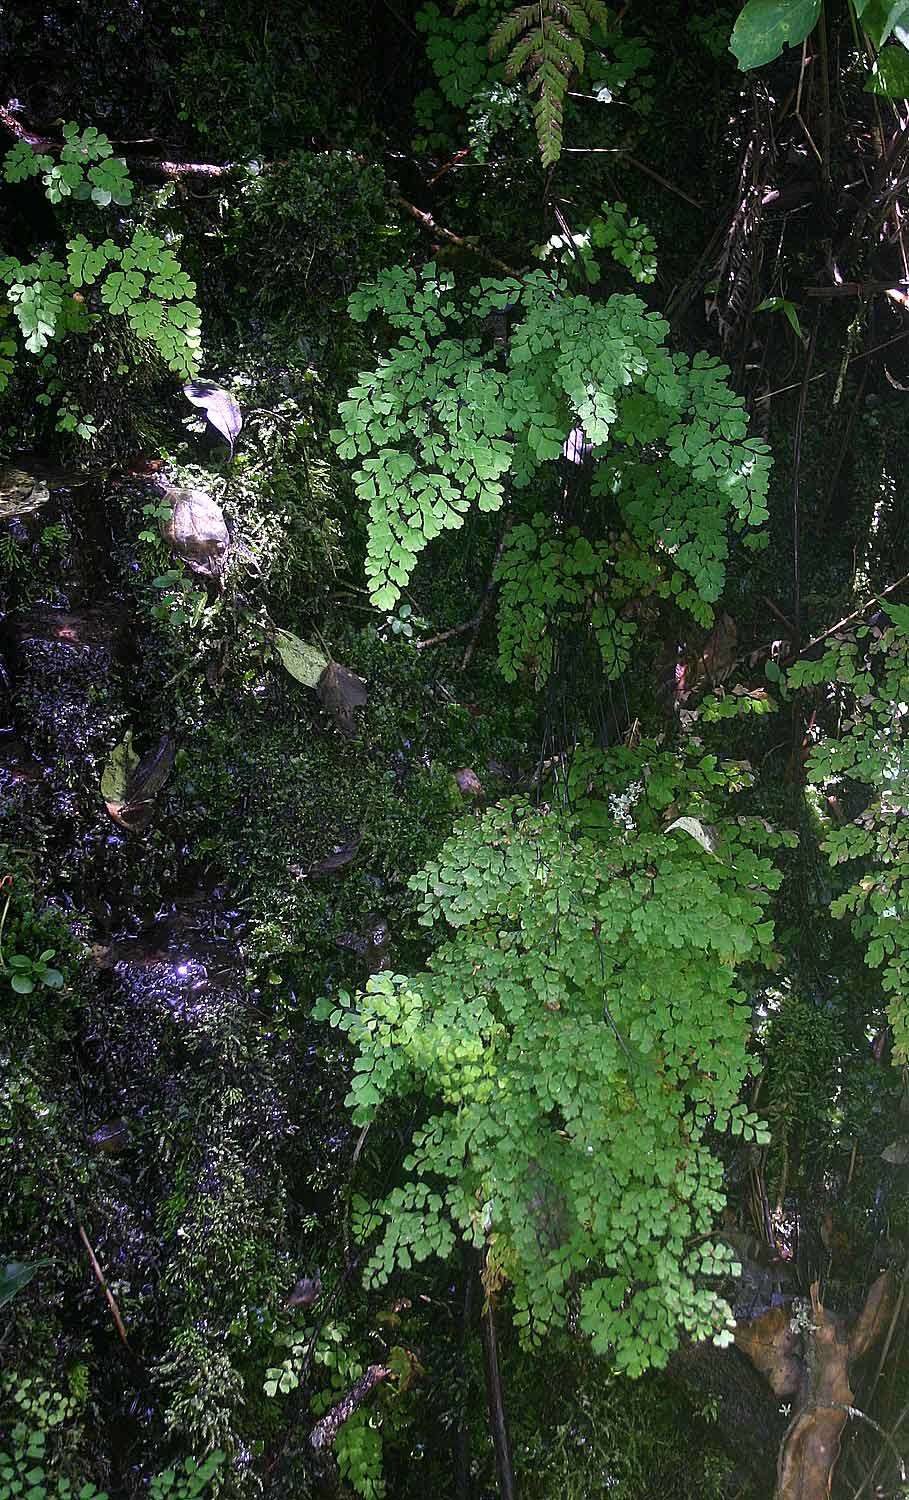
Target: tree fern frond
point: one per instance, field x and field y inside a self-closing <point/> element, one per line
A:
<point x="563" y="47"/>
<point x="512" y="26"/>
<point x="546" y="44"/>
<point x="574" y="17"/>
<point x="596" y="10"/>
<point x="524" y="55"/>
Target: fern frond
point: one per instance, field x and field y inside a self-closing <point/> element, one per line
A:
<point x="523" y="56"/>
<point x="573" y="16"/>
<point x="511" y="26"/>
<point x="564" y="48"/>
<point x="546" y="45"/>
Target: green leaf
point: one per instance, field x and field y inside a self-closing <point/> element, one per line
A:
<point x="22" y="984"/>
<point x="881" y="17"/>
<point x="118" y="771"/>
<point x="890" y="74"/>
<point x="15" y="1275"/>
<point x="765" y="27"/>
<point x="899" y="614"/>
<point x="303" y="661"/>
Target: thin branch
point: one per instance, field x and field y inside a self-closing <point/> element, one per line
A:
<point x="496" y="1400"/>
<point x="115" y="1311"/>
<point x="477" y="617"/>
<point x="634" y="162"/>
<point x="856" y="613"/>
<point x="147" y="163"/>
<point x="325" y="1431"/>
<point x="427" y="222"/>
<point x="856" y="288"/>
<point x="796" y="477"/>
<point x="826" y="374"/>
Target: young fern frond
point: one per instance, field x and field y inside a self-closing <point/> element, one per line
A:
<point x="543" y="41"/>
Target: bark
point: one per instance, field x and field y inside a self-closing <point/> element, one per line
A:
<point x="812" y="1367"/>
<point x="325" y="1431"/>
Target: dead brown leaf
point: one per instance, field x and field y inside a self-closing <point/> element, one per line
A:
<point x="341" y="692"/>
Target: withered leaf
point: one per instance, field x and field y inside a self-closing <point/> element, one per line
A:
<point x="469" y="783"/>
<point x="197" y="531"/>
<point x="339" y="857"/>
<point x="341" y="691"/>
<point x="129" y="785"/>
<point x="112" y="1137"/>
<point x="219" y="406"/>
<point x="116" y="774"/>
<point x="718" y="654"/>
<point x="699" y="831"/>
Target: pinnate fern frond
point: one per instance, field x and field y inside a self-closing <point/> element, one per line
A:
<point x="544" y="42"/>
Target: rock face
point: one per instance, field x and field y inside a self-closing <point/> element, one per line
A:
<point x="197" y="531"/>
<point x="20" y="492"/>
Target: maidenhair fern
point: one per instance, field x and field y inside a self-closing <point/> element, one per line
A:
<point x="142" y="280"/>
<point x="868" y="674"/>
<point x="447" y="420"/>
<point x="578" y="1039"/>
<point x="87" y="168"/>
<point x="627" y="240"/>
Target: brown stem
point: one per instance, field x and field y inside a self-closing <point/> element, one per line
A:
<point x="496" y="1401"/>
<point x="115" y="1311"/>
<point x="856" y="613"/>
<point x="146" y="163"/>
<point x="427" y="222"/>
<point x="476" y="619"/>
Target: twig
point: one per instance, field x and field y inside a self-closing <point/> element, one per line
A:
<point x="826" y="374"/>
<point x="111" y="1302"/>
<point x="894" y="1321"/>
<point x="426" y="220"/>
<point x="856" y="288"/>
<point x="821" y="518"/>
<point x="487" y="596"/>
<point x="148" y="163"/>
<point x="446" y="635"/>
<point x="796" y="476"/>
<point x="779" y="614"/>
<point x="869" y="1477"/>
<point x="634" y="162"/>
<point x="476" y="619"/>
<point x="847" y="619"/>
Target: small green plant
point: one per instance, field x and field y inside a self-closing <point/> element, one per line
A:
<point x="51" y="296"/>
<point x="23" y="1475"/>
<point x="628" y="241"/>
<point x="358" y="1446"/>
<point x="404" y="623"/>
<point x="25" y="973"/>
<point x="188" y="1480"/>
<point x="764" y="30"/>
<point x="865" y="674"/>
<point x="87" y="168"/>
<point x="158" y="512"/>
<point x="579" y="1039"/>
<point x="181" y="602"/>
